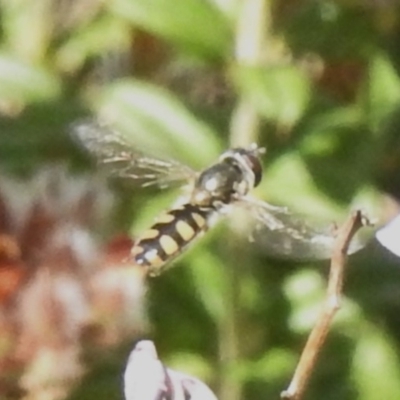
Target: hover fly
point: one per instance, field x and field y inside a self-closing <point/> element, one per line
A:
<point x="212" y="193"/>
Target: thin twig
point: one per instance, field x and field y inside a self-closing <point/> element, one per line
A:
<point x="320" y="331"/>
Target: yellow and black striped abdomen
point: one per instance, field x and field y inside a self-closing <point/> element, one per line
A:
<point x="168" y="237"/>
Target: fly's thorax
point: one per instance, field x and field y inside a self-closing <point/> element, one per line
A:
<point x="237" y="172"/>
<point x="217" y="184"/>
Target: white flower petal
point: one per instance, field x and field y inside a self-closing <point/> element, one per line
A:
<point x="389" y="236"/>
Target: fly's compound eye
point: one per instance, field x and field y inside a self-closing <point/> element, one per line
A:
<point x="255" y="165"/>
<point x="248" y="159"/>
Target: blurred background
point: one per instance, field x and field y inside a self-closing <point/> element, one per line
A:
<point x="317" y="82"/>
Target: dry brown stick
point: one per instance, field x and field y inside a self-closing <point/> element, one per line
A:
<point x="320" y="331"/>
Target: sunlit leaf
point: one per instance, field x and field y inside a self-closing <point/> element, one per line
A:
<point x="307" y="292"/>
<point x="288" y="182"/>
<point x="191" y="363"/>
<point x="159" y="123"/>
<point x="376" y="369"/>
<point x="383" y="90"/>
<point x="278" y="93"/>
<point x="23" y="82"/>
<point x="275" y="364"/>
<point x="196" y="25"/>
<point x="28" y="27"/>
<point x="103" y="35"/>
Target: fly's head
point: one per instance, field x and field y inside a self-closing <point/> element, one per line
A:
<point x="249" y="162"/>
<point x="238" y="171"/>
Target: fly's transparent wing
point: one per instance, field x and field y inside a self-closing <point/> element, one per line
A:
<point x="118" y="155"/>
<point x="282" y="234"/>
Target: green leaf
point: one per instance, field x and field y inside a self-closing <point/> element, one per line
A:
<point x="195" y="25"/>
<point x="383" y="91"/>
<point x="28" y="27"/>
<point x="102" y="35"/>
<point x="307" y="291"/>
<point x="275" y="364"/>
<point x="278" y="93"/>
<point x="376" y="371"/>
<point x="211" y="282"/>
<point x="158" y="123"/>
<point x="23" y="82"/>
<point x="288" y="182"/>
<point x="339" y="152"/>
<point x="192" y="363"/>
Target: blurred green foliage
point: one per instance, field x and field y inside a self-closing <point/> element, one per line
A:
<point x="327" y="90"/>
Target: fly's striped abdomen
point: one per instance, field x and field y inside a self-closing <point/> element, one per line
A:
<point x="167" y="238"/>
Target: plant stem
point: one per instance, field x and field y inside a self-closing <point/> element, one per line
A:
<point x="253" y="24"/>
